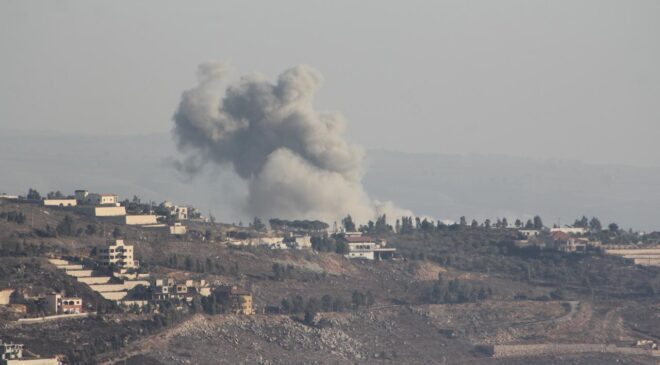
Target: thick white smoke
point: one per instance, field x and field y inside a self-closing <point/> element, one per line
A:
<point x="294" y="159"/>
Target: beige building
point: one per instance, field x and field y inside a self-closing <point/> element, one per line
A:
<point x="141" y="219"/>
<point x="117" y="254"/>
<point x="5" y="296"/>
<point x="110" y="211"/>
<point x="240" y="299"/>
<point x="178" y="229"/>
<point x="60" y="202"/>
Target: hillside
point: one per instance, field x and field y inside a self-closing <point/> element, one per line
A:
<point x="501" y="297"/>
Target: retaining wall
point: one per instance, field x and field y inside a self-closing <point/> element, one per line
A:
<point x="53" y="318"/>
<point x="79" y="273"/>
<point x="94" y="280"/>
<point x="57" y="262"/>
<point x="559" y="349"/>
<point x="114" y="295"/>
<point x="70" y="267"/>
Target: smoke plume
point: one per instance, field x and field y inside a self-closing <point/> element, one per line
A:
<point x="295" y="160"/>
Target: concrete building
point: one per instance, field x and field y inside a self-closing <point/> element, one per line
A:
<point x="180" y="213"/>
<point x="240" y="299"/>
<point x="141" y="219"/>
<point x="117" y="254"/>
<point x="166" y="289"/>
<point x="564" y="242"/>
<point x="12" y="354"/>
<point x="81" y="195"/>
<point x="109" y="211"/>
<point x="529" y="232"/>
<point x="84" y="197"/>
<point x="638" y="255"/>
<point x="60" y="202"/>
<point x="365" y="247"/>
<point x="102" y="199"/>
<point x="5" y="296"/>
<point x="299" y="241"/>
<point x="58" y="304"/>
<point x="178" y="229"/>
<point x="570" y="230"/>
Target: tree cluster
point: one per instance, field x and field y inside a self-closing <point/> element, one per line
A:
<point x="298" y="225"/>
<point x="456" y="291"/>
<point x="209" y="265"/>
<point x="296" y="304"/>
<point x="13" y="216"/>
<point x="329" y="244"/>
<point x="281" y="272"/>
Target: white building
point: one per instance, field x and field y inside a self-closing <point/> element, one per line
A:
<point x="181" y="213"/>
<point x="569" y="230"/>
<point x="299" y="241"/>
<point x="12" y="354"/>
<point x="364" y="247"/>
<point x="529" y="232"/>
<point x="119" y="255"/>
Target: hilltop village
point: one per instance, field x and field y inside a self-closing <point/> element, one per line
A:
<point x="89" y="278"/>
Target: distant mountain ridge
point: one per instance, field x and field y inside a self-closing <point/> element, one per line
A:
<point x="438" y="185"/>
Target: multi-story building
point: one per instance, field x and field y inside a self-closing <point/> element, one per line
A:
<point x="165" y="289"/>
<point x="102" y="199"/>
<point x="118" y="255"/>
<point x="12" y="353"/>
<point x="365" y="247"/>
<point x="86" y="198"/>
<point x="58" y="304"/>
<point x="239" y="299"/>
<point x="181" y="213"/>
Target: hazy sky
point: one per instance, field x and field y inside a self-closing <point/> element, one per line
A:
<point x="552" y="79"/>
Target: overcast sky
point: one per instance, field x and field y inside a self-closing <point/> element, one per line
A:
<point x="550" y="79"/>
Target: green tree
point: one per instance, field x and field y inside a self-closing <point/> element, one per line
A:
<point x="33" y="194"/>
<point x="348" y="223"/>
<point x="538" y="223"/>
<point x="257" y="224"/>
<point x="326" y="303"/>
<point x="613" y="227"/>
<point x="66" y="227"/>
